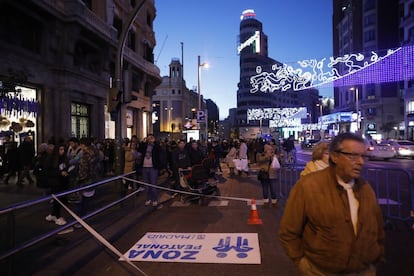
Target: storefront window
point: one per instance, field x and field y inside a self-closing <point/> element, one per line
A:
<point x="80" y="120"/>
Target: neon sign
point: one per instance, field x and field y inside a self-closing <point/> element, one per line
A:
<point x="254" y="39"/>
<point x="248" y="14"/>
<point x="281" y="117"/>
<point x="391" y="66"/>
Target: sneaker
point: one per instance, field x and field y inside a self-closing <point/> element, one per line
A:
<point x="274" y="201"/>
<point x="154" y="203"/>
<point x="67" y="230"/>
<point x="174" y="195"/>
<point x="129" y="187"/>
<point x="159" y="206"/>
<point x="147" y="203"/>
<point x="51" y="218"/>
<point x="77" y="225"/>
<point x="265" y="202"/>
<point x="60" y="221"/>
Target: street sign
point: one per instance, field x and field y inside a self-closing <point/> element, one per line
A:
<point x="201" y="116"/>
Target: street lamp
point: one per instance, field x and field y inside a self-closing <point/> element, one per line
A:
<point x="356" y="105"/>
<point x="169" y="118"/>
<point x="320" y="109"/>
<point x="320" y="117"/>
<point x="200" y="65"/>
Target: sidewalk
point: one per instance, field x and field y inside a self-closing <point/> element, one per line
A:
<point x="11" y="193"/>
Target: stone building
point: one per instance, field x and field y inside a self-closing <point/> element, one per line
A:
<point x="174" y="104"/>
<point x="61" y="58"/>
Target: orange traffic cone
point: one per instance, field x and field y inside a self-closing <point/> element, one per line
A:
<point x="254" y="215"/>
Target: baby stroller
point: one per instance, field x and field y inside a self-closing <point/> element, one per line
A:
<point x="199" y="181"/>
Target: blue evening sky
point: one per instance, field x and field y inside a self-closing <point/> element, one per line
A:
<point x="296" y="30"/>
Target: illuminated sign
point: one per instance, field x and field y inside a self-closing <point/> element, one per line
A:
<point x="253" y="40"/>
<point x="278" y="117"/>
<point x="248" y="14"/>
<point x="290" y="122"/>
<point x="391" y="65"/>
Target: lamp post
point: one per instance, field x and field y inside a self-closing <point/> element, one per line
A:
<point x="200" y="65"/>
<point x="356" y="105"/>
<point x="169" y="119"/>
<point x="320" y="113"/>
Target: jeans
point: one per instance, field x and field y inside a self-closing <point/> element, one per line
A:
<point x="269" y="184"/>
<point x="150" y="176"/>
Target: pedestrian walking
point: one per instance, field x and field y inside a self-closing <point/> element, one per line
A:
<point x="268" y="175"/>
<point x="26" y="153"/>
<point x="150" y="169"/>
<point x="320" y="159"/>
<point x="57" y="172"/>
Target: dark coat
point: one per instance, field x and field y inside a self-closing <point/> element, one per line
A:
<point x="156" y="151"/>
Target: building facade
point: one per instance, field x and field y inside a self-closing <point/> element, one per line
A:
<point x="254" y="59"/>
<point x="174" y="105"/>
<point x="407" y="86"/>
<point x="63" y="54"/>
<point x="364" y="27"/>
<point x="213" y="116"/>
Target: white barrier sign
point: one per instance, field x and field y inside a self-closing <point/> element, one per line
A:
<point x="234" y="248"/>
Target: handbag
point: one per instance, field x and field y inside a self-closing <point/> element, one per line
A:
<point x="262" y="175"/>
<point x="275" y="163"/>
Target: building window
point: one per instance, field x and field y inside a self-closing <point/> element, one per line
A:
<point x="369" y="35"/>
<point x="136" y="81"/>
<point x="173" y="92"/>
<point x="131" y="40"/>
<point x="410" y="107"/>
<point x="369" y="5"/>
<point x="80" y="119"/>
<point x="370" y="20"/>
<point x="149" y="20"/>
<point x="371" y="111"/>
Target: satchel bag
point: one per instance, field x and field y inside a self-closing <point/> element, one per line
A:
<point x="275" y="163"/>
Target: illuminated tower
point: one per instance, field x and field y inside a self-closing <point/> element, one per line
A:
<point x="253" y="51"/>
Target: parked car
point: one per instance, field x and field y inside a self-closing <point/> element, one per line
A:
<point x="382" y="150"/>
<point x="403" y="148"/>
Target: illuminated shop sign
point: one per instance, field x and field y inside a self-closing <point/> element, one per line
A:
<point x="253" y="40"/>
<point x="339" y="117"/>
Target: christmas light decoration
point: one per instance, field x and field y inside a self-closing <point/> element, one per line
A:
<point x="375" y="67"/>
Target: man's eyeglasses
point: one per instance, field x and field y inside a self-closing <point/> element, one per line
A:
<point x="353" y="156"/>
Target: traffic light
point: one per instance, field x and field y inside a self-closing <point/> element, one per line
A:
<point x="114" y="99"/>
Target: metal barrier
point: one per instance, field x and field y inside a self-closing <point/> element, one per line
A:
<point x="11" y="246"/>
<point x="392" y="186"/>
<point x="394" y="190"/>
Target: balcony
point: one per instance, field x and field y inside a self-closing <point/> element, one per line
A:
<point x="145" y="66"/>
<point x="77" y="11"/>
